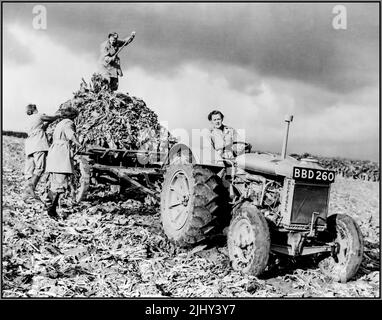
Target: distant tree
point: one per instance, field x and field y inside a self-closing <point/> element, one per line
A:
<point x="17" y="134"/>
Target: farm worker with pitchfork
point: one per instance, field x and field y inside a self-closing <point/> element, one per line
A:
<point x="109" y="60"/>
<point x="36" y="148"/>
<point x="59" y="161"/>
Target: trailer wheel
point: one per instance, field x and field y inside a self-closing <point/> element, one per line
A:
<point x="81" y="177"/>
<point x="249" y="240"/>
<point x="343" y="264"/>
<point x="194" y="204"/>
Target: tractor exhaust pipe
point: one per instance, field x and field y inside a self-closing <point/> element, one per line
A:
<point x="288" y="119"/>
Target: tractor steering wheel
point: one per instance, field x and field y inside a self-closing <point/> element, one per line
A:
<point x="246" y="148"/>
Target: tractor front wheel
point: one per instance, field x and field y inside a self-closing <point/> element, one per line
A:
<point x="249" y="240"/>
<point x="344" y="262"/>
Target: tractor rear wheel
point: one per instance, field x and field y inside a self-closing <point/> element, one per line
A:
<point x="344" y="263"/>
<point x="194" y="204"/>
<point x="249" y="240"/>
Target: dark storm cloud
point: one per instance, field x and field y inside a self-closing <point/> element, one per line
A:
<point x="288" y="41"/>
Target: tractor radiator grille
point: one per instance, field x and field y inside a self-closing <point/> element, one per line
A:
<point x="307" y="199"/>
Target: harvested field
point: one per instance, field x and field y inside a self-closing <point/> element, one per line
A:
<point x="114" y="246"/>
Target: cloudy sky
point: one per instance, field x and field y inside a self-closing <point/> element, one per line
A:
<point x="256" y="62"/>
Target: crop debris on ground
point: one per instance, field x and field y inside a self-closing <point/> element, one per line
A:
<point x="113" y="246"/>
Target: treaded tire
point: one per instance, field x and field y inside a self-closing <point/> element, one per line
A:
<point x="202" y="214"/>
<point x="82" y="173"/>
<point x="344" y="231"/>
<point x="249" y="240"/>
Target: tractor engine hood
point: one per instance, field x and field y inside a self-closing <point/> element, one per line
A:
<point x="272" y="164"/>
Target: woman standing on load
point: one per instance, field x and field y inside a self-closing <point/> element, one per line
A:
<point x="59" y="162"/>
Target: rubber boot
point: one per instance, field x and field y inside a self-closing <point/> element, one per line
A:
<point x="51" y="204"/>
<point x="73" y="193"/>
<point x="34" y="181"/>
<point x="29" y="190"/>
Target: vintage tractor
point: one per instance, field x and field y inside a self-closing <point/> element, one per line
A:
<point x="270" y="203"/>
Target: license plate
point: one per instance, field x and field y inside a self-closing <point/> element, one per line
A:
<point x="313" y="175"/>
